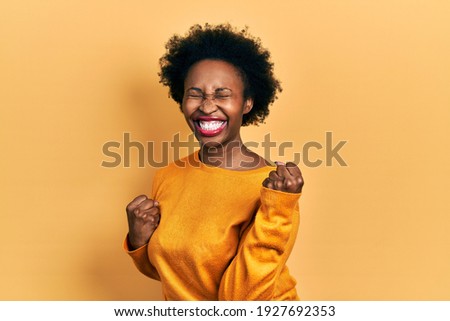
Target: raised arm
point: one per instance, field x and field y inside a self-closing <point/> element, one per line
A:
<point x="254" y="273"/>
<point x="143" y="216"/>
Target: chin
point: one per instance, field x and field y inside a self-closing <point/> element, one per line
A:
<point x="210" y="142"/>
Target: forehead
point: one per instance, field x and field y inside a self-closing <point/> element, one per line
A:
<point x="211" y="74"/>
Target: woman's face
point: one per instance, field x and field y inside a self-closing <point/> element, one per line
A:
<point x="213" y="102"/>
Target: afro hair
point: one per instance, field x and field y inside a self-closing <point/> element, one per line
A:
<point x="222" y="42"/>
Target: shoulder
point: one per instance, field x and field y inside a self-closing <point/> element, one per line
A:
<point x="178" y="167"/>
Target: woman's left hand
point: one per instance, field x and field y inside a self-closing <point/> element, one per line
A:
<point x="286" y="178"/>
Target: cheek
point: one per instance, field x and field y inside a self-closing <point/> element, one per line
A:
<point x="236" y="110"/>
<point x="186" y="111"/>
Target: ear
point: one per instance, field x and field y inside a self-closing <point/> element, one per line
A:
<point x="248" y="105"/>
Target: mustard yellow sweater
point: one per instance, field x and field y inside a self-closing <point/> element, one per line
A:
<point x="221" y="236"/>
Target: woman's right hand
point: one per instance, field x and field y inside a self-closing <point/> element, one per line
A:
<point x="143" y="219"/>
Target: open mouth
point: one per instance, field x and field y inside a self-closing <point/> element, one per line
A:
<point x="210" y="127"/>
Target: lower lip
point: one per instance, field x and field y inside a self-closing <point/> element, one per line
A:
<point x="210" y="133"/>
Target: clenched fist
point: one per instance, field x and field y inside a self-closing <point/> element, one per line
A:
<point x="286" y="178"/>
<point x="143" y="219"/>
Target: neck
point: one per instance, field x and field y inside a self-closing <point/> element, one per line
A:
<point x="233" y="155"/>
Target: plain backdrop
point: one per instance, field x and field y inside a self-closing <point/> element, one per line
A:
<point x="376" y="74"/>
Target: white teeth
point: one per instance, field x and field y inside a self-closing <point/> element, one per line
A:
<point x="210" y="125"/>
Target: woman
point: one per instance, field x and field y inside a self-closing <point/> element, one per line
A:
<point x="221" y="223"/>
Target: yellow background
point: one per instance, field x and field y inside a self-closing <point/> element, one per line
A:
<point x="75" y="75"/>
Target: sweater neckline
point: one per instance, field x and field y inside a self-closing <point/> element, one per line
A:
<point x="214" y="169"/>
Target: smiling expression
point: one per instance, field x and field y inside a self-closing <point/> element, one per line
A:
<point x="213" y="102"/>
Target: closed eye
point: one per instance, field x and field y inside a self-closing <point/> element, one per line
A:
<point x="195" y="95"/>
<point x="222" y="93"/>
<point x="222" y="96"/>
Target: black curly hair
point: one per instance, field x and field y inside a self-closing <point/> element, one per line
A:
<point x="222" y="42"/>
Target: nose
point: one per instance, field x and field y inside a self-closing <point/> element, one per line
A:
<point x="208" y="106"/>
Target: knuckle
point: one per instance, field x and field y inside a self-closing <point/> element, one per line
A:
<point x="274" y="176"/>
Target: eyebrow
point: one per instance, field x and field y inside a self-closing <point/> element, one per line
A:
<point x="194" y="88"/>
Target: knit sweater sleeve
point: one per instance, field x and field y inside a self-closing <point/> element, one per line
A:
<point x="141" y="260"/>
<point x="140" y="256"/>
<point x="263" y="249"/>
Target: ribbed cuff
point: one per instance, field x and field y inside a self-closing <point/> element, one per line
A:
<point x="278" y="205"/>
<point x="127" y="248"/>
